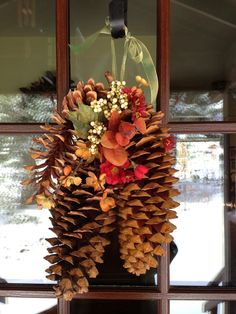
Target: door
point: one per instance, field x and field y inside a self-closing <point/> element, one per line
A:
<point x="193" y="45"/>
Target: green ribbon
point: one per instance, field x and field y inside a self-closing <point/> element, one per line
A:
<point x="133" y="48"/>
<point x="138" y="52"/>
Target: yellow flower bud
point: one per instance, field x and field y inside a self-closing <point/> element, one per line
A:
<point x="144" y="82"/>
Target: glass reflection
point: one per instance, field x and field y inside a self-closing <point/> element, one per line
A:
<point x="201" y="307"/>
<point x="28" y="306"/>
<point x="196" y="105"/>
<point x="203" y="60"/>
<point x="95" y="60"/>
<point x="206" y="217"/>
<point x="27" y="60"/>
<point x="23" y="228"/>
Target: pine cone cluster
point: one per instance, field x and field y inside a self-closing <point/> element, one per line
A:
<point x="85" y="206"/>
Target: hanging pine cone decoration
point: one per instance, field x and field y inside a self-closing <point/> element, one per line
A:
<point x="106" y="165"/>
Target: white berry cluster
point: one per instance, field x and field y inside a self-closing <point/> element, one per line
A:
<point x="95" y="133"/>
<point x="116" y="100"/>
<point x="98" y="105"/>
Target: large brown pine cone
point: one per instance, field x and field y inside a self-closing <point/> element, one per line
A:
<point x="81" y="230"/>
<point x="145" y="206"/>
<point x="79" y="224"/>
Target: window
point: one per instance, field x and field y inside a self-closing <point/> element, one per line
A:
<point x="193" y="43"/>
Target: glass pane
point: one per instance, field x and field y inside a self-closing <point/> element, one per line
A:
<point x="112" y="272"/>
<point x="203" y="60"/>
<point x="27" y="60"/>
<point x="23" y="228"/>
<point x="205" y="234"/>
<point x="95" y="60"/>
<point x="201" y="307"/>
<point x="113" y="306"/>
<point x="28" y="306"/>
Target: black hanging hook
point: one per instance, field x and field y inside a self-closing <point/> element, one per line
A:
<point x="118" y="17"/>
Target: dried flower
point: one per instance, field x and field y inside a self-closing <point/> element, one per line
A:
<point x="44" y="202"/>
<point x="67" y="170"/>
<point x="117" y="175"/>
<point x="96" y="183"/>
<point x="82" y="151"/>
<point x="107" y="203"/>
<point x="169" y="143"/>
<point x="95" y="133"/>
<point x="140" y="171"/>
<point x="117" y="136"/>
<point x="139" y="110"/>
<point x="67" y="182"/>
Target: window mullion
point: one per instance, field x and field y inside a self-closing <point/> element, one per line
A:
<point x="163" y="31"/>
<point x="62" y="54"/>
<point x="63" y="307"/>
<point x="203" y="127"/>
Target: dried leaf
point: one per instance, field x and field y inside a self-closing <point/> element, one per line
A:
<point x="81" y="119"/>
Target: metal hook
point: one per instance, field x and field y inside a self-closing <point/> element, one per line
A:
<point x="118" y="17"/>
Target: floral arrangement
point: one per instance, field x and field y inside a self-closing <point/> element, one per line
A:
<point x="106" y="164"/>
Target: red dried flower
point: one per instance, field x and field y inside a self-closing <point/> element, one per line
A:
<point x="139" y="111"/>
<point x="117" y="175"/>
<point x="140" y="171"/>
<point x="169" y="143"/>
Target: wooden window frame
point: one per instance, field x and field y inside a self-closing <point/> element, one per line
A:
<point x="164" y="292"/>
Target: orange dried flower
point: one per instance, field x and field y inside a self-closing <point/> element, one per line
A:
<point x="67" y="170"/>
<point x="107" y="203"/>
<point x="83" y="151"/>
<point x="96" y="183"/>
<point x="67" y="182"/>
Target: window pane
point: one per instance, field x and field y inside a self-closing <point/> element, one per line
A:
<point x="113" y="306"/>
<point x="205" y="234"/>
<point x="28" y="306"/>
<point x="203" y="60"/>
<point x="27" y="60"/>
<point x="23" y="228"/>
<point x="95" y="60"/>
<point x="112" y="272"/>
<point x="201" y="307"/>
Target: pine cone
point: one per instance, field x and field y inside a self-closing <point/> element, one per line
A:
<point x="81" y="231"/>
<point x="80" y="226"/>
<point x="84" y="93"/>
<point x="145" y="206"/>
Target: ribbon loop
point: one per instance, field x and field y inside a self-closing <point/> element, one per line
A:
<point x="134" y="48"/>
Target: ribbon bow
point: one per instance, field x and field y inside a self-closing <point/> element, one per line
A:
<point x="134" y="48"/>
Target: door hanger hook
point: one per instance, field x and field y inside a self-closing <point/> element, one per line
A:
<point x="118" y="17"/>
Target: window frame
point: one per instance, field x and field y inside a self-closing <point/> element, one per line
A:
<point x="163" y="293"/>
